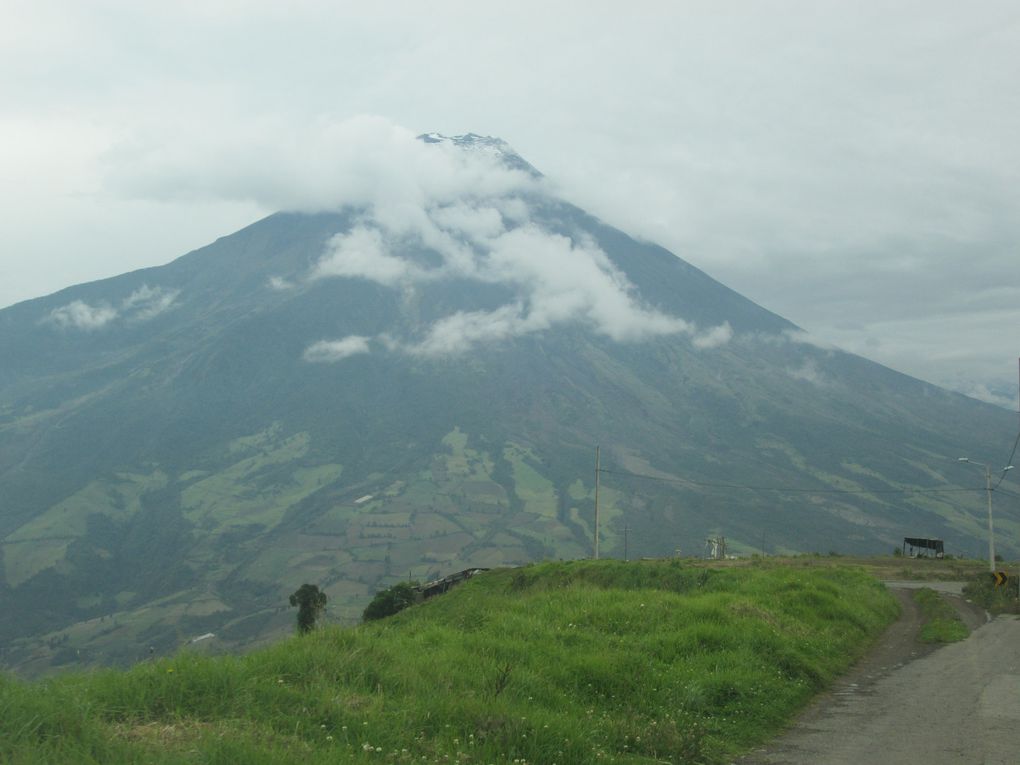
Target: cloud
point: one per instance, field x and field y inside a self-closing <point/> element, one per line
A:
<point x="361" y="253"/>
<point x="279" y="283"/>
<point x="335" y="350"/>
<point x="80" y="315"/>
<point x="457" y="333"/>
<point x="803" y="153"/>
<point x="555" y="279"/>
<point x="808" y="372"/>
<point x="564" y="281"/>
<point x="714" y="337"/>
<point x="141" y="305"/>
<point x="478" y="223"/>
<point x="982" y="392"/>
<point x="325" y="164"/>
<point x="148" y="302"/>
<point x="931" y="346"/>
<point x="467" y="202"/>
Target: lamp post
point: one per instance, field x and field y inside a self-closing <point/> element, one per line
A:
<point x="988" y="491"/>
<point x="597" y="471"/>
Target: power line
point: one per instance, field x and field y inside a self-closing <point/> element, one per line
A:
<point x="788" y="489"/>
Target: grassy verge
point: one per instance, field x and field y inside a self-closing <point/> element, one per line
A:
<point x="577" y="662"/>
<point x="996" y="600"/>
<point x="942" y="623"/>
<point x="881" y="567"/>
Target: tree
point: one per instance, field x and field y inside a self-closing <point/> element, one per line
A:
<point x="310" y="602"/>
<point x="388" y="602"/>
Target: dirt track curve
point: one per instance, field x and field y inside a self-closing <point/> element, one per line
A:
<point x="907" y="702"/>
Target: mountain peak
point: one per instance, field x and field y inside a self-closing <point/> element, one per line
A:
<point x="487" y="144"/>
<point x="467" y="140"/>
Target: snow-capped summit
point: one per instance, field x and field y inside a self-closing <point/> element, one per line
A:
<point x="484" y="143"/>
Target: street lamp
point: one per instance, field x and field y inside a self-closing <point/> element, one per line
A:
<point x="988" y="490"/>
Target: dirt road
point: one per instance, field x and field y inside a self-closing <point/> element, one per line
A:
<point x="911" y="703"/>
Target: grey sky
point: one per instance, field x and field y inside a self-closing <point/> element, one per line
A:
<point x="854" y="167"/>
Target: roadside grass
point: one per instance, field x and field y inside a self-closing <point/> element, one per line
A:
<point x="942" y="623"/>
<point x="881" y="567"/>
<point x="577" y="662"/>
<point x="996" y="600"/>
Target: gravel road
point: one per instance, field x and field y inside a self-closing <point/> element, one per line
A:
<point x="910" y="703"/>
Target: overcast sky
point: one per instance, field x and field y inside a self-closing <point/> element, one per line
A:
<point x="852" y="166"/>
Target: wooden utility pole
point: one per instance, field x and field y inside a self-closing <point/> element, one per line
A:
<point x="626" y="529"/>
<point x="597" y="503"/>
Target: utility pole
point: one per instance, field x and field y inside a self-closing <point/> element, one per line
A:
<point x="596" y="502"/>
<point x="991" y="531"/>
<point x="626" y="529"/>
<point x="988" y="491"/>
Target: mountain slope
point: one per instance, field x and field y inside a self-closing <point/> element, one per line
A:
<point x="402" y="387"/>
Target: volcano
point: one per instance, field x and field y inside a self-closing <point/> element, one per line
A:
<point x="413" y="382"/>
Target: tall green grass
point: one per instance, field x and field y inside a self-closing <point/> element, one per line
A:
<point x="941" y="622"/>
<point x="576" y="662"/>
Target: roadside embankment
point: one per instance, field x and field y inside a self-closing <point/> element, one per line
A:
<point x="575" y="662"/>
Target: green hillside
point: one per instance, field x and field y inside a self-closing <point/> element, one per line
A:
<point x="575" y="662"/>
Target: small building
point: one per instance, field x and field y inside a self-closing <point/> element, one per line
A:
<point x="923" y="548"/>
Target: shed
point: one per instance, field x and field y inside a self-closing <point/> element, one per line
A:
<point x="923" y="548"/>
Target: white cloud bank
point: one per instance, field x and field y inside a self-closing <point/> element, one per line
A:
<point x="362" y="161"/>
<point x="141" y="305"/>
<point x="465" y="204"/>
<point x="362" y="253"/>
<point x="803" y="148"/>
<point x="556" y="280"/>
<point x="471" y="215"/>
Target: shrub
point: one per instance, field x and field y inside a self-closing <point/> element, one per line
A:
<point x="391" y="600"/>
<point x="310" y="602"/>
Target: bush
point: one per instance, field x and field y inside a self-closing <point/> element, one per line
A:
<point x="389" y="601"/>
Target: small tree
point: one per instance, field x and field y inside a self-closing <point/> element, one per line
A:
<point x="310" y="602"/>
<point x="388" y="602"/>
